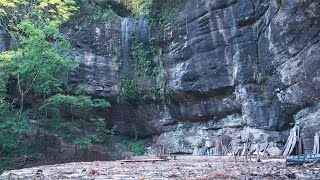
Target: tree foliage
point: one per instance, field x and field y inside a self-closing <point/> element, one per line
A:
<point x="83" y="118"/>
<point x="142" y="56"/>
<point x="12" y="12"/>
<point x="40" y="58"/>
<point x="43" y="60"/>
<point x="80" y="106"/>
<point x="136" y="147"/>
<point x="39" y="63"/>
<point x="5" y="61"/>
<point x="12" y="131"/>
<point x="130" y="89"/>
<point x="137" y="7"/>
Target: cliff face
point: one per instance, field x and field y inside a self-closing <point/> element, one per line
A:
<point x="248" y="69"/>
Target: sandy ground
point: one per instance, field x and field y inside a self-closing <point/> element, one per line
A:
<point x="185" y="167"/>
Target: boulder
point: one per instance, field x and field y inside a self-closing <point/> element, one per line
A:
<point x="273" y="151"/>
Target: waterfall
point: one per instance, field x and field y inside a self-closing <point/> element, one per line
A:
<point x="125" y="33"/>
<point x="143" y="31"/>
<point x="132" y="29"/>
<point x="125" y="46"/>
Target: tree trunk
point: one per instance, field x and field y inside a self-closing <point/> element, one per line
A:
<point x="21" y="103"/>
<point x="22" y="93"/>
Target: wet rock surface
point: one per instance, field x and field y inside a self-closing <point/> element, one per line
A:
<point x="228" y="66"/>
<point x="259" y="52"/>
<point x="191" y="167"/>
<point x="252" y="62"/>
<point x="96" y="43"/>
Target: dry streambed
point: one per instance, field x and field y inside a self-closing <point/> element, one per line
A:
<point x="186" y="167"/>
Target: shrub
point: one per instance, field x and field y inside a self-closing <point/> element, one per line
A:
<point x="130" y="89"/>
<point x="136" y="147"/>
<point x="78" y="106"/>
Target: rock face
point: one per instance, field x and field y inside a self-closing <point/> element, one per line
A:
<point x="232" y="67"/>
<point x="103" y="47"/>
<point x="96" y="44"/>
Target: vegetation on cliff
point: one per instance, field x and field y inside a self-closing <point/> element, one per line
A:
<point x="39" y="109"/>
<point x="38" y="66"/>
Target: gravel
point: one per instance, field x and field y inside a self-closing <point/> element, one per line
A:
<point x="184" y="167"/>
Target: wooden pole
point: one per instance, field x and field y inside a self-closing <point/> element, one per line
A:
<point x="258" y="153"/>
<point x="316" y="144"/>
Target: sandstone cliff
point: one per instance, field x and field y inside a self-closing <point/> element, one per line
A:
<point x="247" y="69"/>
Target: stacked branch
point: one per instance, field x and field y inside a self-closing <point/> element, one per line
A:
<point x="294" y="141"/>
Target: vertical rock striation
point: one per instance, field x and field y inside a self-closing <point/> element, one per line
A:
<point x="254" y="61"/>
<point x="238" y="67"/>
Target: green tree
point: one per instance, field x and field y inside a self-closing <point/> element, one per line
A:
<point x="42" y="62"/>
<point x="84" y="127"/>
<point x="13" y="12"/>
<point x="41" y="59"/>
<point x="136" y="7"/>
<point x="4" y="75"/>
<point x="80" y="107"/>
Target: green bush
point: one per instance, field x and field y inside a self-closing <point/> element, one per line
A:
<point x="5" y="165"/>
<point x="82" y="142"/>
<point x="130" y="88"/>
<point x="80" y="107"/>
<point x="142" y="56"/>
<point x="13" y="129"/>
<point x="136" y="147"/>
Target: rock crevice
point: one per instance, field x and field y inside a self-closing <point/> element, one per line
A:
<point x="230" y="67"/>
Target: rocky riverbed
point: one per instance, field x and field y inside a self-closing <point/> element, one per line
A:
<point x="184" y="167"/>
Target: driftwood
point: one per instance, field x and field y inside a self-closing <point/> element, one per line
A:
<point x="225" y="143"/>
<point x="156" y="150"/>
<point x="258" y="153"/>
<point x="298" y="160"/>
<point x="236" y="152"/>
<point x="316" y="144"/>
<point x="293" y="139"/>
<point x="258" y="149"/>
<point x="196" y="151"/>
<point x="248" y="149"/>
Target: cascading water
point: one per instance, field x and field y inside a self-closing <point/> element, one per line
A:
<point x="132" y="30"/>
<point x="124" y="33"/>
<point x="125" y="46"/>
<point x="143" y="31"/>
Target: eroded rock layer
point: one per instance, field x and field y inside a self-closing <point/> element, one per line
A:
<point x="235" y="67"/>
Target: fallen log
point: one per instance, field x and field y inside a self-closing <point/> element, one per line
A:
<point x="300" y="159"/>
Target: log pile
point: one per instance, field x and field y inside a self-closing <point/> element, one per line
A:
<point x="294" y="142"/>
<point x="294" y="145"/>
<point x="224" y="143"/>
